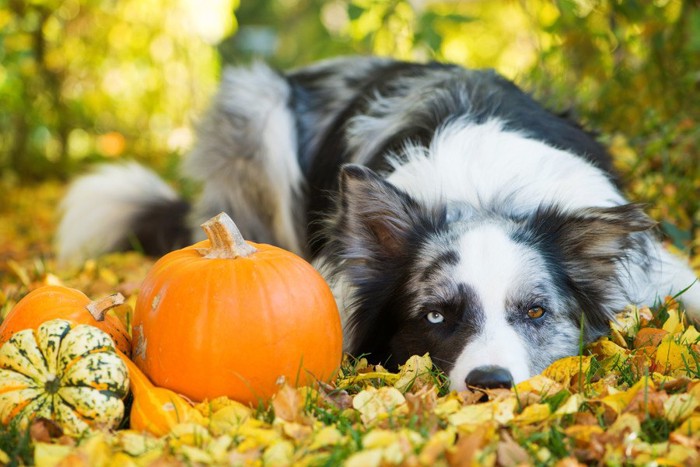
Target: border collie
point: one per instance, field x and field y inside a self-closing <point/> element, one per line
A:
<point x="449" y="212"/>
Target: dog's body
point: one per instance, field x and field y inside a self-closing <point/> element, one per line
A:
<point x="470" y="223"/>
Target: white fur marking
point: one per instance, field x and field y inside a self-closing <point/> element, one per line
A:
<point x="99" y="208"/>
<point x="482" y="163"/>
<point x="492" y="264"/>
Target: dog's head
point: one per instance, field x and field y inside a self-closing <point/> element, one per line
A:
<point x="493" y="297"/>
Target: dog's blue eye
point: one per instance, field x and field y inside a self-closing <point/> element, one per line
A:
<point x="435" y="317"/>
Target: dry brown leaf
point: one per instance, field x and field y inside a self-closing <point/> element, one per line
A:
<point x="649" y="337"/>
<point x="335" y="397"/>
<point x="511" y="453"/>
<point x="463" y="453"/>
<point x="44" y="430"/>
<point x="289" y="405"/>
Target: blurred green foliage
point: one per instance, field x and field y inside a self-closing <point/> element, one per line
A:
<point x="89" y="80"/>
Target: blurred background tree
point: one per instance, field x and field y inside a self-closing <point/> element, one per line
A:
<point x="83" y="81"/>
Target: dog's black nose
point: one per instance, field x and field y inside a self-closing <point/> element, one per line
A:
<point x="489" y="377"/>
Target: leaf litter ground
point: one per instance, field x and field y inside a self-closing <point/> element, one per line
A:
<point x="632" y="398"/>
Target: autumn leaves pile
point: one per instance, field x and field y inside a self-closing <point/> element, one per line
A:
<point x="631" y="398"/>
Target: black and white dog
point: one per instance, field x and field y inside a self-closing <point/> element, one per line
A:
<point x="449" y="212"/>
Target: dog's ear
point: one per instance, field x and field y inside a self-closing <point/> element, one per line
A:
<point x="591" y="245"/>
<point x="599" y="235"/>
<point x="377" y="217"/>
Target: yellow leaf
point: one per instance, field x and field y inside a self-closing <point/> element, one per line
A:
<point x="295" y="431"/>
<point x="218" y="448"/>
<point x="565" y="368"/>
<point x="278" y="454"/>
<point x="571" y="405"/>
<point x="228" y="418"/>
<point x="627" y="322"/>
<point x="672" y="356"/>
<point x="690" y="336"/>
<point x="690" y="427"/>
<point x="674" y="323"/>
<point x="326" y="436"/>
<point x="137" y="443"/>
<point x="533" y="414"/>
<point x="679" y="407"/>
<point x="417" y="369"/>
<point x="4" y="458"/>
<point x="436" y="445"/>
<point x="96" y="448"/>
<point x="207" y="408"/>
<point x="605" y="348"/>
<point x="48" y="455"/>
<point x="378" y="404"/>
<point x="619" y="400"/>
<point x="379" y="439"/>
<point x="583" y="433"/>
<point x="366" y="458"/>
<point x="540" y="384"/>
<point x="121" y="459"/>
<point x="626" y="422"/>
<point x="680" y="455"/>
<point x="256" y="435"/>
<point x="188" y="434"/>
<point x="499" y="411"/>
<point x="448" y="405"/>
<point x="194" y="455"/>
<point x="389" y="378"/>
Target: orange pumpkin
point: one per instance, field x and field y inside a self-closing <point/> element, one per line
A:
<point x="155" y="409"/>
<point x="225" y="317"/>
<point x="55" y="301"/>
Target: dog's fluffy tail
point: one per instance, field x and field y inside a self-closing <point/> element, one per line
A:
<point x="119" y="207"/>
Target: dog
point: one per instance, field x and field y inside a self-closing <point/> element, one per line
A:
<point x="449" y="212"/>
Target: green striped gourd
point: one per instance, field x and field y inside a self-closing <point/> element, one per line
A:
<point x="65" y="372"/>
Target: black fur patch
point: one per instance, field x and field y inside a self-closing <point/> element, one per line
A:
<point x="584" y="250"/>
<point x="161" y="228"/>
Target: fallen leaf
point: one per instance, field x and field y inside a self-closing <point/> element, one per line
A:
<point x="326" y="436"/>
<point x="465" y="450"/>
<point x="436" y="446"/>
<point x="366" y="458"/>
<point x="49" y="455"/>
<point x="378" y="404"/>
<point x="678" y="407"/>
<point x="500" y="412"/>
<point x="289" y="405"/>
<point x="44" y="430"/>
<point x="338" y="398"/>
<point x="563" y="370"/>
<point x="542" y="384"/>
<point x="533" y="414"/>
<point x="511" y="453"/>
<point x="649" y="337"/>
<point x="619" y="400"/>
<point x="279" y="454"/>
<point x="415" y="373"/>
<point x="672" y="357"/>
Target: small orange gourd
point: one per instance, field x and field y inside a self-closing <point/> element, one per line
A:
<point x="155" y="409"/>
<point x="58" y="302"/>
<point x="225" y="317"/>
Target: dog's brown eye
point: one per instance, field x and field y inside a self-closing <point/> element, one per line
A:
<point x="535" y="312"/>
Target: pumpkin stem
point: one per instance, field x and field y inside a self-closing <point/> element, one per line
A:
<point x="226" y="240"/>
<point x="98" y="308"/>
